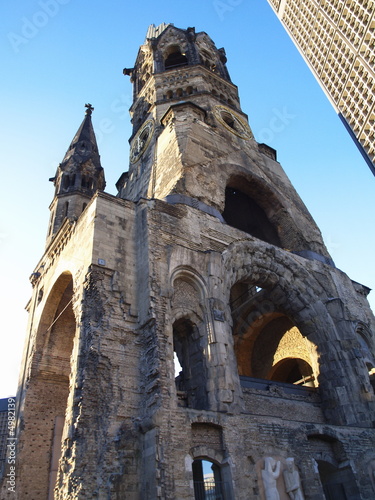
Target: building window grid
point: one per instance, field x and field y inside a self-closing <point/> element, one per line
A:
<point x="276" y="4"/>
<point x="337" y="37"/>
<point x="300" y="19"/>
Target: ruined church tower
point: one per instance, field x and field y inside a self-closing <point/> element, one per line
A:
<point x="191" y="337"/>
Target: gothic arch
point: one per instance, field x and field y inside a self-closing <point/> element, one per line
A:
<point x="174" y="56"/>
<point x="59" y="297"/>
<point x="189" y="333"/>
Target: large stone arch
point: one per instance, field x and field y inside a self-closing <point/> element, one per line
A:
<point x="46" y="388"/>
<point x="292" y="287"/>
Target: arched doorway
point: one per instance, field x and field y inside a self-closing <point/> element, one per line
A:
<point x="208" y="483"/>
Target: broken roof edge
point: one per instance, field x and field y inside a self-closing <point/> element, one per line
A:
<point x="154" y="31"/>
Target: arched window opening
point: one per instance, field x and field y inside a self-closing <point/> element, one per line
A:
<point x="335" y="473"/>
<point x="189" y="90"/>
<point x="208" y="484"/>
<point x="66" y="182"/>
<point x="267" y="343"/>
<point x="170" y="94"/>
<point x="87" y="182"/>
<point x="140" y="84"/>
<point x="73" y="180"/>
<point x="179" y="92"/>
<point x="190" y="364"/>
<point x="243" y="213"/>
<point x="175" y="58"/>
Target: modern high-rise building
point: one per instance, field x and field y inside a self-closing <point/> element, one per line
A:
<point x="191" y="338"/>
<point x="336" y="38"/>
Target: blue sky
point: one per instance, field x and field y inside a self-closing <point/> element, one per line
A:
<point x="58" y="55"/>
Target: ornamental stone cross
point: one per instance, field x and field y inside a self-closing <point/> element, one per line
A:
<point x="89" y="110"/>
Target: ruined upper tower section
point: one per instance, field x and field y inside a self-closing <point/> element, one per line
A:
<point x="170" y="51"/>
<point x="192" y="144"/>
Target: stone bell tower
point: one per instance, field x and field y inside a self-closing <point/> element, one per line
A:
<point x="191" y="337"/>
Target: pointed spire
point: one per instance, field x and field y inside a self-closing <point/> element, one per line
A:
<point x="78" y="177"/>
<point x="83" y="146"/>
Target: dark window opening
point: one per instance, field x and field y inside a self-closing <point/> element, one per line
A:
<point x="84" y="206"/>
<point x="87" y="182"/>
<point x="66" y="209"/>
<point x="338" y="484"/>
<point x="229" y="120"/>
<point x="66" y="181"/>
<point x="208" y="484"/>
<point x="51" y="223"/>
<point x="245" y="214"/>
<point x="189" y="365"/>
<point x="175" y="59"/>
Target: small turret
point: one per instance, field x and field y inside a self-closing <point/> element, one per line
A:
<point x="78" y="176"/>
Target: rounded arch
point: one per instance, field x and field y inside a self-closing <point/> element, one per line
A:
<point x="60" y="294"/>
<point x="290" y="287"/>
<point x="174" y="56"/>
<point x="267" y="343"/>
<point x="335" y="472"/>
<point x="293" y="371"/>
<point x="188" y="273"/>
<point x="49" y="382"/>
<point x="295" y="230"/>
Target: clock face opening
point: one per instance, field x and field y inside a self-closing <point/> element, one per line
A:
<point x="229" y="120"/>
<point x="233" y="122"/>
<point x="141" y="141"/>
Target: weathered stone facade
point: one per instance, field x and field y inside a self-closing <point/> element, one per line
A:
<point x="207" y="255"/>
